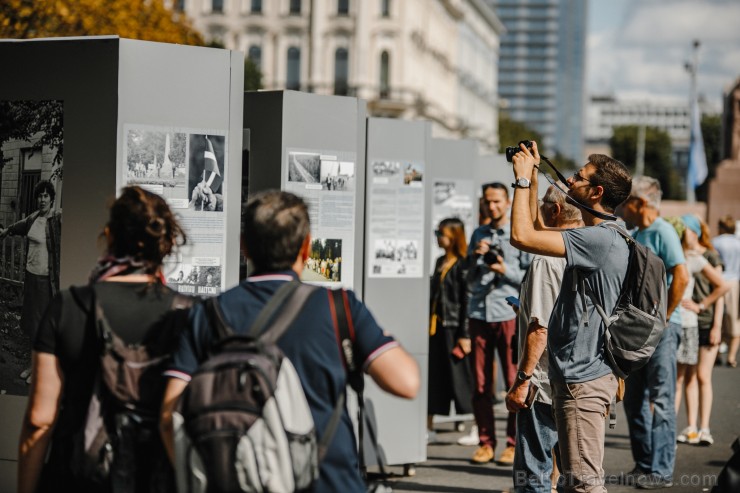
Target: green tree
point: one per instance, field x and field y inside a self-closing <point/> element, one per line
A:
<point x="658" y="161"/>
<point x="252" y="76"/>
<point x="510" y="132"/>
<point x="711" y="131"/>
<point x="40" y="122"/>
<point x="136" y="19"/>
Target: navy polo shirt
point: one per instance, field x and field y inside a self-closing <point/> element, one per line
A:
<point x="311" y="345"/>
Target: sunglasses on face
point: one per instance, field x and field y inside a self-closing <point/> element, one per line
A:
<point x="577" y="177"/>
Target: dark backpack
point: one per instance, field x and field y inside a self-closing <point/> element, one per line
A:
<point x="119" y="446"/>
<point x="243" y="423"/>
<point x="635" y="326"/>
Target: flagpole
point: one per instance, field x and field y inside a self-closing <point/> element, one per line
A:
<point x="692" y="68"/>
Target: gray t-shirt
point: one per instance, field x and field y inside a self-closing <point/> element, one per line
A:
<point x="599" y="256"/>
<point x="537" y="296"/>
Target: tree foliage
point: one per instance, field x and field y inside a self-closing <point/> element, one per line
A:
<point x="38" y="122"/>
<point x="658" y="160"/>
<point x="148" y="20"/>
<point x="711" y="131"/>
<point x="252" y="76"/>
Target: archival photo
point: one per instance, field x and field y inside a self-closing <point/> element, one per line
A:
<point x="386" y="168"/>
<point x="413" y="174"/>
<point x="31" y="157"/>
<point x="206" y="172"/>
<point x="156" y="160"/>
<point x="324" y="264"/>
<point x="304" y="167"/>
<point x="337" y="176"/>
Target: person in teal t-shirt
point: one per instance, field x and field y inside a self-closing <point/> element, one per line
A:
<point x="653" y="432"/>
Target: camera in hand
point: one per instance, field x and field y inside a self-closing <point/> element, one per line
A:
<point x="492" y="255"/>
<point x="510" y="151"/>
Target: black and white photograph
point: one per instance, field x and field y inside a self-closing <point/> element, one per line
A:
<point x="450" y="200"/>
<point x="156" y="160"/>
<point x="182" y="277"/>
<point x="386" y="168"/>
<point x="324" y="263"/>
<point x="31" y="167"/>
<point x="337" y="176"/>
<point x="304" y="167"/>
<point x="206" y="172"/>
<point x="413" y="174"/>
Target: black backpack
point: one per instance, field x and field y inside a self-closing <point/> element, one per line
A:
<point x="635" y="326"/>
<point x="243" y="423"/>
<point x="119" y="446"/>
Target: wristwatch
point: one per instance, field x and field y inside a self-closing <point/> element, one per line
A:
<point x="521" y="183"/>
<point x="521" y="376"/>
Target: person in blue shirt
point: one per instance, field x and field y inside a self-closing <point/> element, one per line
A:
<point x="276" y="238"/>
<point x="649" y="398"/>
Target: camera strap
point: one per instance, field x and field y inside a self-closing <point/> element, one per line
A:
<point x="601" y="215"/>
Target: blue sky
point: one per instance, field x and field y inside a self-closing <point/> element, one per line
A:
<point x="637" y="48"/>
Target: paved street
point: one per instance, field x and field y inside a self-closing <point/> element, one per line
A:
<point x="448" y="469"/>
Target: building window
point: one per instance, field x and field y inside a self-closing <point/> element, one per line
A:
<point x="385" y="8"/>
<point x="293" y="79"/>
<point x="256" y="7"/>
<point x="217" y="6"/>
<point x="180" y="5"/>
<point x="385" y="75"/>
<point x="295" y="6"/>
<point x="342" y="7"/>
<point x="255" y="55"/>
<point x="341" y="72"/>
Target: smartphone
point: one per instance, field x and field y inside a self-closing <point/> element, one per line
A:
<point x="513" y="301"/>
<point x="458" y="353"/>
<point x="534" y="390"/>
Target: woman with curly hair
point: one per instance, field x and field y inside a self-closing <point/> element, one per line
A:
<point x="128" y="285"/>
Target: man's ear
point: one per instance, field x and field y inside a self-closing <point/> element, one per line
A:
<point x="598" y="193"/>
<point x="556" y="210"/>
<point x="305" y="248"/>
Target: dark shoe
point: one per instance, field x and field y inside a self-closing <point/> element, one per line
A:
<point x="653" y="482"/>
<point x="631" y="477"/>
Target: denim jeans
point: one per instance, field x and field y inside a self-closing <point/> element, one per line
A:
<point x="536" y="436"/>
<point x="653" y="434"/>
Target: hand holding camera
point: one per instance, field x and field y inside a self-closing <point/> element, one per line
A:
<point x="525" y="158"/>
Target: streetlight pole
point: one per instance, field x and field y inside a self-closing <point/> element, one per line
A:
<point x="691" y="68"/>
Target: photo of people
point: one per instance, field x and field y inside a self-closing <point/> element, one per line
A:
<point x="206" y="169"/>
<point x="31" y="147"/>
<point x="324" y="264"/>
<point x="156" y="160"/>
<point x="395" y="257"/>
<point x="337" y="175"/>
<point x="194" y="279"/>
<point x="413" y="174"/>
<point x="304" y="167"/>
<point x="386" y="168"/>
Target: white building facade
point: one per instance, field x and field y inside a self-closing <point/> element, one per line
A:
<point x="411" y="59"/>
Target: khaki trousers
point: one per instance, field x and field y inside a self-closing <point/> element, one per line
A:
<point x="580" y="411"/>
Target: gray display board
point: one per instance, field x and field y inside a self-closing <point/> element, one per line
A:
<point x="397" y="276"/>
<point x="314" y="146"/>
<point x="107" y="86"/>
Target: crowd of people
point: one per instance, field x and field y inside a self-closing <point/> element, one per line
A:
<point x="524" y="287"/>
<point x="561" y="386"/>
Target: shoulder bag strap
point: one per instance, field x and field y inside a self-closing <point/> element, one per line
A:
<point x="342" y="317"/>
<point x="289" y="300"/>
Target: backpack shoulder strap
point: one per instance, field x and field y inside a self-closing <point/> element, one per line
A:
<point x="289" y="299"/>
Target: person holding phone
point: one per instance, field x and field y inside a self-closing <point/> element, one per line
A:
<point x="450" y="375"/>
<point x="536" y="450"/>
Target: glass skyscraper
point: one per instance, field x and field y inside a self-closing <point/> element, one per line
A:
<point x="541" y="78"/>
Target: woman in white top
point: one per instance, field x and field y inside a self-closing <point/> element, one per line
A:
<point x="688" y="228"/>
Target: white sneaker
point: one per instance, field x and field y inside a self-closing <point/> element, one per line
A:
<point x="471" y="438"/>
<point x="705" y="438"/>
<point x="722" y="348"/>
<point x="688" y="435"/>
